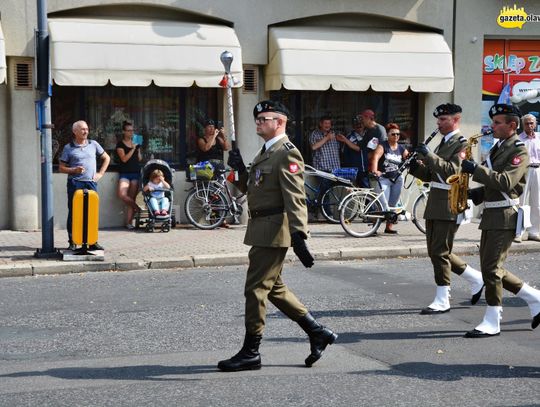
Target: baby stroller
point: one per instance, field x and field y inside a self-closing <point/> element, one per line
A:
<point x="164" y="222"/>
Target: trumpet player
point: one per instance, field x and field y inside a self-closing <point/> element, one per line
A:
<point x="503" y="177"/>
<point x="441" y="224"/>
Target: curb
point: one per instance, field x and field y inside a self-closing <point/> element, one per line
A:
<point x="33" y="268"/>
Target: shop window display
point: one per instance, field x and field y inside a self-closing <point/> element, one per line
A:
<point x="166" y="120"/>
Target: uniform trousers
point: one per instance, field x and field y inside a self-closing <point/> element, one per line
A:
<point x="494" y="246"/>
<point x="440" y="241"/>
<point x="533" y="187"/>
<point x="263" y="281"/>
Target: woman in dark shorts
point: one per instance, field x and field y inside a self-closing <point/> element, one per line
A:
<point x="129" y="155"/>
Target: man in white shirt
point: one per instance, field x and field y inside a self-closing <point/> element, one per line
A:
<point x="531" y="138"/>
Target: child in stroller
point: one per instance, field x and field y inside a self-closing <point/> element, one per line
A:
<point x="158" y="202"/>
<point x="156" y="176"/>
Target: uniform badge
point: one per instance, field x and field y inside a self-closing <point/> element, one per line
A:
<point x="293" y="168"/>
<point x="516" y="160"/>
<point x="258" y="177"/>
<point x="462" y="154"/>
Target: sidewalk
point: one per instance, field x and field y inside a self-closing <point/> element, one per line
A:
<point x="185" y="247"/>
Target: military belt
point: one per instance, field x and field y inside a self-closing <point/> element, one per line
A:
<point x="501" y="204"/>
<point x="258" y="213"/>
<point x="439" y="185"/>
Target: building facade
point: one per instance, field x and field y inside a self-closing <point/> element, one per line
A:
<point x="157" y="63"/>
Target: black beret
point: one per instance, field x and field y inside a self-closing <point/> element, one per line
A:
<point x="446" y="109"/>
<point x="510" y="110"/>
<point x="270" y="106"/>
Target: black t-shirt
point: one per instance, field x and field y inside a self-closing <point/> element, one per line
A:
<point x="132" y="165"/>
<point x="215" y="153"/>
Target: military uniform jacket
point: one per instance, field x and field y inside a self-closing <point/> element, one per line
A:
<point x="276" y="180"/>
<point x="509" y="170"/>
<point x="437" y="167"/>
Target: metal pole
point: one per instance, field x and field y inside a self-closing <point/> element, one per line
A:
<point x="44" y="125"/>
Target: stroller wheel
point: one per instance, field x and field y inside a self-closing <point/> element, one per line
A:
<point x="149" y="227"/>
<point x="165" y="227"/>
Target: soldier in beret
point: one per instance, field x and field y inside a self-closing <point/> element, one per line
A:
<point x="278" y="219"/>
<point x="503" y="176"/>
<point x="441" y="223"/>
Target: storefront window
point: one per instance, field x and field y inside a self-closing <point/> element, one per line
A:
<point x="308" y="106"/>
<point x="166" y="120"/>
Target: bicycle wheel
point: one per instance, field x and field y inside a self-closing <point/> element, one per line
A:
<point x="361" y="214"/>
<point x="206" y="207"/>
<point x="330" y="202"/>
<point x="418" y="209"/>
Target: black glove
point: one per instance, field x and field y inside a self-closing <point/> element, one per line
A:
<point x="468" y="166"/>
<point x="422" y="150"/>
<point x="235" y="161"/>
<point x="476" y="194"/>
<point x="298" y="241"/>
<point x="413" y="165"/>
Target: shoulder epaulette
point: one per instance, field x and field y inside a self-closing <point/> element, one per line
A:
<point x="518" y="143"/>
<point x="462" y="139"/>
<point x="288" y="145"/>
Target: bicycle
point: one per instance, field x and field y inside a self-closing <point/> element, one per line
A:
<point x="363" y="210"/>
<point x="210" y="202"/>
<point x="327" y="201"/>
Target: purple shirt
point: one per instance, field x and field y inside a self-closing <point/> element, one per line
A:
<point x="533" y="146"/>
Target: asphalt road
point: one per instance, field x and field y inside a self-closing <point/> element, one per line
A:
<point x="153" y="338"/>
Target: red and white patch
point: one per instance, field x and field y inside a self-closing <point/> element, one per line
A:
<point x="462" y="154"/>
<point x="516" y="160"/>
<point x="293" y="168"/>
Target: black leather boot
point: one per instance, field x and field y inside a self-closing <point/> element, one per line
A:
<point x="248" y="358"/>
<point x="319" y="337"/>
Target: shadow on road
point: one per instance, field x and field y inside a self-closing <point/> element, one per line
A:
<point x="448" y="372"/>
<point x="141" y="372"/>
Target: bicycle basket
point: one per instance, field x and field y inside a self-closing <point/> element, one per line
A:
<point x="347" y="173"/>
<point x="203" y="171"/>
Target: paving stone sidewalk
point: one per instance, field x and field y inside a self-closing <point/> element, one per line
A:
<point x="186" y="246"/>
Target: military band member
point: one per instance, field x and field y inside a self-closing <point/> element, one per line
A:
<point x="503" y="177"/>
<point x="278" y="219"/>
<point x="441" y="224"/>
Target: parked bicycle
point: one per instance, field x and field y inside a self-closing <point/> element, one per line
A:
<point x="327" y="194"/>
<point x="364" y="209"/>
<point x="210" y="202"/>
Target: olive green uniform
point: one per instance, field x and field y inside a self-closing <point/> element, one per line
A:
<point x="441" y="226"/>
<point x="509" y="169"/>
<point x="274" y="183"/>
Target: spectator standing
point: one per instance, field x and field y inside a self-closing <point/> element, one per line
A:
<point x="531" y="138"/>
<point x="350" y="151"/>
<point x="325" y="146"/>
<point x="212" y="144"/>
<point x="373" y="136"/>
<point x="130" y="156"/>
<point x="384" y="163"/>
<point x="78" y="160"/>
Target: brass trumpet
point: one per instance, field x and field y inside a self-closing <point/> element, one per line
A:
<point x="459" y="183"/>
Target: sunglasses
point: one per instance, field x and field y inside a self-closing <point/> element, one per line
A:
<point x="394" y="134"/>
<point x="262" y="119"/>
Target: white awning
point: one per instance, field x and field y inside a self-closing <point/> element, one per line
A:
<point x="315" y="58"/>
<point x="3" y="65"/>
<point x="90" y="52"/>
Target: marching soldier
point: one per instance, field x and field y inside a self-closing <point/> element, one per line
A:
<point x="503" y="177"/>
<point x="278" y="219"/>
<point x="441" y="224"/>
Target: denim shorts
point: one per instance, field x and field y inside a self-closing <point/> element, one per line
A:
<point x="130" y="176"/>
